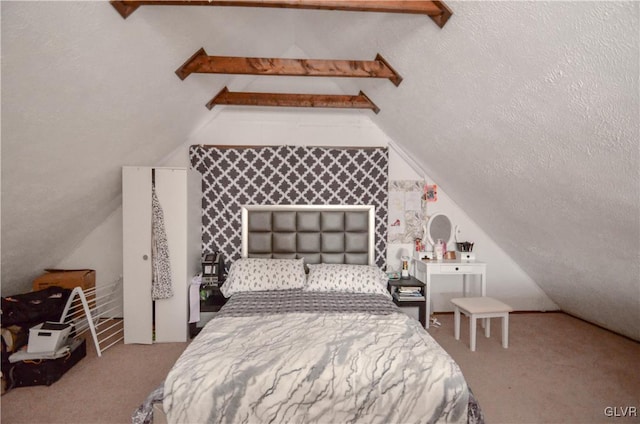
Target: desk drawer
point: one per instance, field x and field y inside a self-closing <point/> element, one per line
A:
<point x="459" y="269"/>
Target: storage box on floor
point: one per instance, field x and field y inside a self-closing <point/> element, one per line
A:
<point x="69" y="279"/>
<point x="45" y="371"/>
<point x="48" y="337"/>
<point x="24" y="312"/>
<point x="66" y="278"/>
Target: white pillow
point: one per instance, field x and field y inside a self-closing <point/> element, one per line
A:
<point x="255" y="274"/>
<point x="347" y="278"/>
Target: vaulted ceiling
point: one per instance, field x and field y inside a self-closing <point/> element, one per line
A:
<point x="526" y="113"/>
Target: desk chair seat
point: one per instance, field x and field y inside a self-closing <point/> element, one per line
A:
<point x="481" y="307"/>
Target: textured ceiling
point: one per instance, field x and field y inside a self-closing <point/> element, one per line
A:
<point x="81" y="93"/>
<point x="526" y="113"/>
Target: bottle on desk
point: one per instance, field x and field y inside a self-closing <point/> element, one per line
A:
<point x="439" y="249"/>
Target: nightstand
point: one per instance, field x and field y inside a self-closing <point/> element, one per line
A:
<point x="211" y="300"/>
<point x="403" y="296"/>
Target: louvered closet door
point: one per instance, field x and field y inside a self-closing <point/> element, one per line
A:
<point x="136" y="261"/>
<point x="171" y="322"/>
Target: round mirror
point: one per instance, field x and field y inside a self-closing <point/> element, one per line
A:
<point x="439" y="226"/>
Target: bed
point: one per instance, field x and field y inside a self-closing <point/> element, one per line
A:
<point x="310" y="334"/>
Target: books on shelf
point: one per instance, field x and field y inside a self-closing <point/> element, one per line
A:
<point x="212" y="281"/>
<point x="408" y="298"/>
<point x="408" y="289"/>
<point x="408" y="294"/>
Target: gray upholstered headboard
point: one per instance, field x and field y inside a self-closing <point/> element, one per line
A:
<point x="317" y="233"/>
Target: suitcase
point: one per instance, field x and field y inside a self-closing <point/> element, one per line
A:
<point x="29" y="309"/>
<point x="44" y="371"/>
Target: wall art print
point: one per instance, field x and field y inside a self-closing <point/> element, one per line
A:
<point x="295" y="175"/>
<point x="430" y="193"/>
<point x="406" y="211"/>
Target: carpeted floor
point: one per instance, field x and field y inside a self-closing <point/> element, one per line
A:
<point x="96" y="390"/>
<point x="557" y="369"/>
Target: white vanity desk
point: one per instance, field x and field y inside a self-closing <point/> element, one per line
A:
<point x="425" y="269"/>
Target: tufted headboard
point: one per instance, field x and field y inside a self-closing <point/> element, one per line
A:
<point x="317" y="233"/>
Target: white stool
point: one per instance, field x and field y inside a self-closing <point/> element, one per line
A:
<point x="481" y="307"/>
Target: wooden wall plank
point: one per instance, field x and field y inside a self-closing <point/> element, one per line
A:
<point x="226" y="97"/>
<point x="200" y="62"/>
<point x="436" y="10"/>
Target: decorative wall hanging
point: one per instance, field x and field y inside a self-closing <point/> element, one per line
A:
<point x="405" y="211"/>
<point x="430" y="193"/>
<point x="202" y="63"/>
<point x="436" y="10"/>
<point x="296" y="175"/>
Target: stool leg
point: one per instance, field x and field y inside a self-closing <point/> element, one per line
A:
<point x="456" y="323"/>
<point x="472" y="330"/>
<point x="487" y="328"/>
<point x="505" y="331"/>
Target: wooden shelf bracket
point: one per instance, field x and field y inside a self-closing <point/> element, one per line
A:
<point x="436" y="10"/>
<point x="226" y="97"/>
<point x="200" y="62"/>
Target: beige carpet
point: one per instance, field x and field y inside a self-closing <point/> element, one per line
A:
<point x="557" y="369"/>
<point x="96" y="390"/>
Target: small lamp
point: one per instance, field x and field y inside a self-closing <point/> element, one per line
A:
<point x="405" y="267"/>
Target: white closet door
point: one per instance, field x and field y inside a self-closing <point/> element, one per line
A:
<point x="171" y="322"/>
<point x="136" y="224"/>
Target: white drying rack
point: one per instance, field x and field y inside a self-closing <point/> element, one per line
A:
<point x="92" y="310"/>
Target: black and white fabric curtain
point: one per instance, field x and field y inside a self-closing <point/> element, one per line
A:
<point x="293" y="175"/>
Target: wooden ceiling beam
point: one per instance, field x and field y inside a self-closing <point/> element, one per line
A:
<point x="436" y="10"/>
<point x="200" y="62"/>
<point x="226" y="97"/>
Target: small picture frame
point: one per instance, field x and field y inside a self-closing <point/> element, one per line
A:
<point x="210" y="265"/>
<point x="430" y="193"/>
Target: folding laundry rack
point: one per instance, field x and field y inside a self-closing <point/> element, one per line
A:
<point x="93" y="310"/>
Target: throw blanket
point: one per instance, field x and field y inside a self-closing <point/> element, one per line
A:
<point x="315" y="367"/>
<point x="296" y="300"/>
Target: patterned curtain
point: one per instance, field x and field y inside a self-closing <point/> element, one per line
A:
<point x="286" y="175"/>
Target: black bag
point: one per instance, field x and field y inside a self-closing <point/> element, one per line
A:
<point x="29" y="309"/>
<point x="44" y="371"/>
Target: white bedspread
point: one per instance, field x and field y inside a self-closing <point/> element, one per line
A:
<point x="311" y="367"/>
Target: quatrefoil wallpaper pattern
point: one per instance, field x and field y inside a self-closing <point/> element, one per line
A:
<point x="281" y="175"/>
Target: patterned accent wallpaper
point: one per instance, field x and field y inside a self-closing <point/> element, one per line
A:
<point x="296" y="175"/>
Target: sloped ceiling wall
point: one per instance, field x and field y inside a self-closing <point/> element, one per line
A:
<point x="85" y="92"/>
<point x="525" y="112"/>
